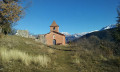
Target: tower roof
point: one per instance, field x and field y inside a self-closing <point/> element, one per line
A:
<point x="54" y="24"/>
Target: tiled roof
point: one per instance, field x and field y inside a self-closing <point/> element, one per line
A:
<point x="54" y="24"/>
<point x="56" y="33"/>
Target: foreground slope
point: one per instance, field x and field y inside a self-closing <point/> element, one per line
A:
<point x="18" y="54"/>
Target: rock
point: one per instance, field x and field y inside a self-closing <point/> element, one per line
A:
<point x="23" y="33"/>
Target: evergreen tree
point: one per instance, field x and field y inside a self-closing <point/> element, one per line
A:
<point x="117" y="34"/>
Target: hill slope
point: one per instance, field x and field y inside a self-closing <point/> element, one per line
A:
<point x="104" y="37"/>
<point x="18" y="54"/>
<point x="102" y="43"/>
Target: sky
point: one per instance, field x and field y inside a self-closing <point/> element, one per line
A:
<point x="72" y="16"/>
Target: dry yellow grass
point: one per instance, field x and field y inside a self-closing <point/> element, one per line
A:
<point x="51" y="51"/>
<point x="77" y="61"/>
<point x="12" y="55"/>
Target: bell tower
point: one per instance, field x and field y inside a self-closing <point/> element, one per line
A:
<point x="54" y="27"/>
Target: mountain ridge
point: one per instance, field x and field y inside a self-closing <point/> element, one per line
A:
<point x="70" y="37"/>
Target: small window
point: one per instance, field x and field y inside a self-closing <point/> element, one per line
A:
<point x="54" y="28"/>
<point x="53" y="36"/>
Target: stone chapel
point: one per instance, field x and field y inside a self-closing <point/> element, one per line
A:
<point x="54" y="37"/>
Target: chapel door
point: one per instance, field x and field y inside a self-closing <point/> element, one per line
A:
<point x="54" y="42"/>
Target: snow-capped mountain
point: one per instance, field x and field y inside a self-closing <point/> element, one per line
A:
<point x="70" y="37"/>
<point x="66" y="33"/>
<point x="109" y="27"/>
<point x="77" y="35"/>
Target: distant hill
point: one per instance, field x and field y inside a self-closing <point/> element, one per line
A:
<point x="71" y="37"/>
<point x="103" y="34"/>
<point x="100" y="38"/>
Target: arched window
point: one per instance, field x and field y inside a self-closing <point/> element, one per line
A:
<point x="54" y="28"/>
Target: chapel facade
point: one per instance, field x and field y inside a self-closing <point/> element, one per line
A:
<point x="54" y="37"/>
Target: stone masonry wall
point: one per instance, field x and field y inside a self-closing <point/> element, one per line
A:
<point x="60" y="39"/>
<point x="23" y="33"/>
<point x="42" y="39"/>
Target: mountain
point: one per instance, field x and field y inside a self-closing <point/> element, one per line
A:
<point x="104" y="39"/>
<point x="75" y="35"/>
<point x="109" y="27"/>
<point x="70" y="37"/>
<point x="66" y="33"/>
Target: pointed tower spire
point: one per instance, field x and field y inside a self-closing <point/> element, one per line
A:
<point x="54" y="27"/>
<point x="54" y="24"/>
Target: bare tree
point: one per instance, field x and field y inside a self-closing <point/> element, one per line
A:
<point x="10" y="12"/>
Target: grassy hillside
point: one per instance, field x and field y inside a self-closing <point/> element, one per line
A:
<point x="103" y="45"/>
<point x="18" y="54"/>
<point x="100" y="39"/>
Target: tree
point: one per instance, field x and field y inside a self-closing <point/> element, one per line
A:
<point x="10" y="12"/>
<point x="118" y="11"/>
<point x="7" y="1"/>
<point x="117" y="34"/>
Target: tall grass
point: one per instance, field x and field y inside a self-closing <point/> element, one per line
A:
<point x="16" y="55"/>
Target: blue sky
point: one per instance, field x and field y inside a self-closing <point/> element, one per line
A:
<point x="72" y="16"/>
